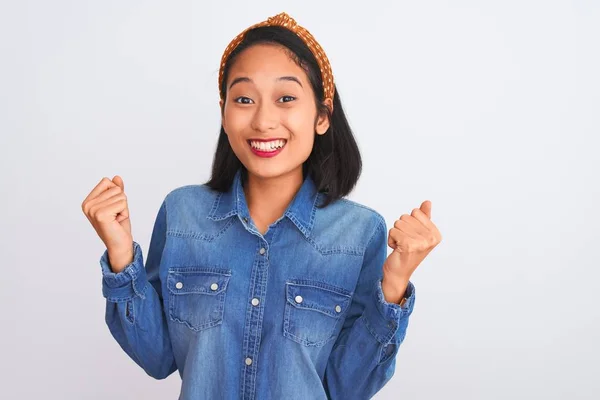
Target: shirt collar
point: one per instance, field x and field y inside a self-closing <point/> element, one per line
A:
<point x="301" y="210"/>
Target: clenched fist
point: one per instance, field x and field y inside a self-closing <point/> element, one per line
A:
<point x="412" y="238"/>
<point x="107" y="210"/>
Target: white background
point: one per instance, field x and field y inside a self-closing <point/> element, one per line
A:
<point x="490" y="109"/>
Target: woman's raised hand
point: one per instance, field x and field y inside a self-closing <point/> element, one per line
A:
<point x="107" y="210"/>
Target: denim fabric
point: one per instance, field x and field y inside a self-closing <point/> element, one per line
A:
<point x="296" y="313"/>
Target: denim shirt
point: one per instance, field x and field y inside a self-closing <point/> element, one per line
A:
<point x="296" y="313"/>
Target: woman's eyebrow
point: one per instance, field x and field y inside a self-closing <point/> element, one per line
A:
<point x="281" y="78"/>
<point x="238" y="80"/>
<point x="290" y="78"/>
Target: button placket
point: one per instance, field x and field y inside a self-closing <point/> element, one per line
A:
<point x="254" y="324"/>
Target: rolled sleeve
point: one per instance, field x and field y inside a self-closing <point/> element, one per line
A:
<point x="124" y="285"/>
<point x="385" y="320"/>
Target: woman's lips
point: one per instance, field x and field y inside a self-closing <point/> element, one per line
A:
<point x="267" y="152"/>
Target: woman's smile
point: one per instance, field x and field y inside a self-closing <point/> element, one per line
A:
<point x="267" y="147"/>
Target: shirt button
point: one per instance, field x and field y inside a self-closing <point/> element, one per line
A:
<point x="245" y="219"/>
<point x="214" y="286"/>
<point x="298" y="299"/>
<point x="338" y="309"/>
<point x="262" y="250"/>
<point x="179" y="285"/>
<point x="255" y="301"/>
<point x="248" y="361"/>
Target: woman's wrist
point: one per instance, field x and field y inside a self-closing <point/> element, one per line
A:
<point x="394" y="288"/>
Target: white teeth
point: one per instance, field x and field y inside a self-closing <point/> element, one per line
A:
<point x="267" y="146"/>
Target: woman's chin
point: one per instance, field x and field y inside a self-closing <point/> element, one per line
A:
<point x="272" y="171"/>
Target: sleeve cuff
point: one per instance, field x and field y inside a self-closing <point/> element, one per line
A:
<point x="126" y="284"/>
<point x="383" y="319"/>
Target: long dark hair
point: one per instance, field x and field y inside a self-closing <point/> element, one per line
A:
<point x="334" y="163"/>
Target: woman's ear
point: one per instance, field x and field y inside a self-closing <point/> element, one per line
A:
<point x="323" y="122"/>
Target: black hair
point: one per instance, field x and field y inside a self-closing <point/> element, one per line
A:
<point x="334" y="163"/>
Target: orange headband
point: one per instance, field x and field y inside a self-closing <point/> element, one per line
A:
<point x="284" y="20"/>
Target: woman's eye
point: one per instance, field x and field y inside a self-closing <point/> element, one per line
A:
<point x="289" y="98"/>
<point x="245" y="100"/>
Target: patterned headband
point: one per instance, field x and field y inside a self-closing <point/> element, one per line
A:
<point x="284" y="20"/>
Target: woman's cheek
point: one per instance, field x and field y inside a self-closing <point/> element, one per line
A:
<point x="298" y="123"/>
<point x="237" y="123"/>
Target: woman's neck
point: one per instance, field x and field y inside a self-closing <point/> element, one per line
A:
<point x="268" y="198"/>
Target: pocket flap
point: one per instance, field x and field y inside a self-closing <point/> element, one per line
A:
<point x="202" y="281"/>
<point x="318" y="296"/>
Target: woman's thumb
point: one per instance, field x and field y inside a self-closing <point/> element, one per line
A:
<point x="122" y="218"/>
<point x="117" y="180"/>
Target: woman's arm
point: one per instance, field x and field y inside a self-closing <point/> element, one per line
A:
<point x="363" y="358"/>
<point x="134" y="312"/>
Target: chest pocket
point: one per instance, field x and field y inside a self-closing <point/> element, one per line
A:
<point x="313" y="310"/>
<point x="197" y="296"/>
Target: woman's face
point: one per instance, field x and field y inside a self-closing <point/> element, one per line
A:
<point x="270" y="115"/>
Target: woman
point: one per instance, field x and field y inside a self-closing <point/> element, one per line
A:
<point x="266" y="282"/>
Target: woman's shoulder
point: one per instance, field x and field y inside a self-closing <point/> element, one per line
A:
<point x="356" y="210"/>
<point x="353" y="218"/>
<point x="361" y="207"/>
<point x="191" y="190"/>
<point x="198" y="196"/>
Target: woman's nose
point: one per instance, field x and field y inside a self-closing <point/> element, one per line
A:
<point x="265" y="118"/>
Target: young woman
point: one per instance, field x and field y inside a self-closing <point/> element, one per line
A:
<point x="265" y="282"/>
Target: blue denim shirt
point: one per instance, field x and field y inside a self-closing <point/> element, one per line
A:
<point x="296" y="313"/>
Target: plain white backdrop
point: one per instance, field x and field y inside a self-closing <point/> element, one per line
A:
<point x="490" y="109"/>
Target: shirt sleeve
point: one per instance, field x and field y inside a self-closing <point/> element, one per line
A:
<point x="128" y="283"/>
<point x="363" y="358"/>
<point x="134" y="307"/>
